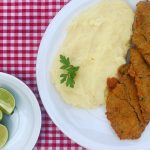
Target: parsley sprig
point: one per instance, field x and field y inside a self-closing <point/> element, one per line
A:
<point x="70" y="72"/>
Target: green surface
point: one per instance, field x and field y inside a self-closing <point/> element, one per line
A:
<point x="7" y="101"/>
<point x="1" y="115"/>
<point x="3" y="135"/>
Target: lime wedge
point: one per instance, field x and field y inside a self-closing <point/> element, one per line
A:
<point x="1" y="115"/>
<point x="3" y="135"/>
<point x="7" y="101"/>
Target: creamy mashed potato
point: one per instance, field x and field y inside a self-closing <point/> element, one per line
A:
<point x="97" y="41"/>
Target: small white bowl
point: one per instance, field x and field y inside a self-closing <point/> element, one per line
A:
<point x="25" y="123"/>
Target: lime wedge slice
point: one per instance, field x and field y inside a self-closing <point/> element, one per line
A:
<point x="7" y="101"/>
<point x="3" y="135"/>
<point x="1" y="115"/>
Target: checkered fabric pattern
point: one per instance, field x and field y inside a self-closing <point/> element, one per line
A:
<point x="22" y="24"/>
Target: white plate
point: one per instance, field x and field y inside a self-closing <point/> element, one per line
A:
<point x="25" y="123"/>
<point x="89" y="128"/>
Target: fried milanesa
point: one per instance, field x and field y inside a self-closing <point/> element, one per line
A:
<point x="141" y="29"/>
<point x="128" y="101"/>
<point x="131" y="89"/>
<point x="141" y="72"/>
<point x="122" y="106"/>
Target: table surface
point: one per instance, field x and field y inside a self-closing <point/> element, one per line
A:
<point x="22" y="24"/>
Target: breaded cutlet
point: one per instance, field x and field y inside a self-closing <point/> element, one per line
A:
<point x="123" y="109"/>
<point x="140" y="70"/>
<point x="141" y="29"/>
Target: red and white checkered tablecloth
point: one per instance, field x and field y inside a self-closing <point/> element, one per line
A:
<point x="22" y="24"/>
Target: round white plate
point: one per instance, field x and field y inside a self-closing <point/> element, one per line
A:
<point x="25" y="123"/>
<point x="89" y="128"/>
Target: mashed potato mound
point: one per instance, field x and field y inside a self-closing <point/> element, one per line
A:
<point x="97" y="41"/>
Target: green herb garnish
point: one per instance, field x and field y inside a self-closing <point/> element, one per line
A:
<point x="70" y="71"/>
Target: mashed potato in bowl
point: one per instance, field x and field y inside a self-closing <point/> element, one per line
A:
<point x="97" y="41"/>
